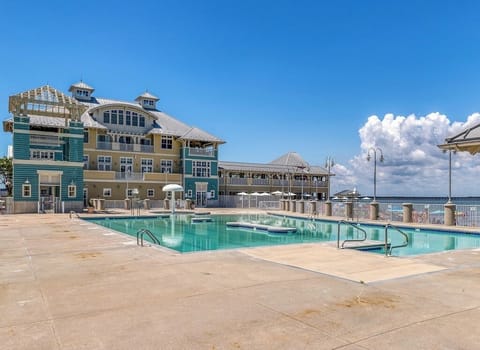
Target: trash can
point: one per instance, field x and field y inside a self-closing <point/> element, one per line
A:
<point x="188" y="204"/>
<point x="166" y="204"/>
<point x="127" y="203"/>
<point x="101" y="204"/>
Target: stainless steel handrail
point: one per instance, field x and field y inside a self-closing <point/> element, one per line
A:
<point x="388" y="249"/>
<point x="350" y="240"/>
<point x="143" y="231"/>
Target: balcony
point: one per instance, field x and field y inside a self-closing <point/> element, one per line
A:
<point x="203" y="152"/>
<point x="43" y="140"/>
<point x="125" y="147"/>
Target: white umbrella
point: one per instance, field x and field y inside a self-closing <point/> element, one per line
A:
<point x="172" y="188"/>
<point x="277" y="193"/>
<point x="242" y="194"/>
<point x="264" y="194"/>
<point x="255" y="194"/>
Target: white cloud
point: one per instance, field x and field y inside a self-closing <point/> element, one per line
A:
<point x="413" y="164"/>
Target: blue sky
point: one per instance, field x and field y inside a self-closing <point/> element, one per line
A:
<point x="271" y="77"/>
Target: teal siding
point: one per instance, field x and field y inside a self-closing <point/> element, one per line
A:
<point x="24" y="172"/>
<point x="212" y="185"/>
<point x="21" y="141"/>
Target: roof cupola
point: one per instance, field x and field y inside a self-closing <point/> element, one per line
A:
<point x="81" y="91"/>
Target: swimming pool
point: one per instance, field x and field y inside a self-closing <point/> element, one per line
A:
<point x="179" y="232"/>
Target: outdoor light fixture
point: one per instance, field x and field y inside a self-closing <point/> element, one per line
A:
<point x="450" y="173"/>
<point x="329" y="163"/>
<point x="374" y="151"/>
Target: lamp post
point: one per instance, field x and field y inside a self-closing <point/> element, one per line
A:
<point x="329" y="163"/>
<point x="374" y="151"/>
<point x="450" y="174"/>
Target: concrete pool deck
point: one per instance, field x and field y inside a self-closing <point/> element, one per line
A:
<point x="70" y="284"/>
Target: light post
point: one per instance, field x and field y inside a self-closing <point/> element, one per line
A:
<point x="303" y="170"/>
<point x="450" y="174"/>
<point x="329" y="163"/>
<point x="375" y="150"/>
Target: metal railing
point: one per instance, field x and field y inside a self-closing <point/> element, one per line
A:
<point x="350" y="240"/>
<point x="389" y="246"/>
<point x="142" y="232"/>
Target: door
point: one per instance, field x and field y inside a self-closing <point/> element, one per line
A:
<point x="201" y="200"/>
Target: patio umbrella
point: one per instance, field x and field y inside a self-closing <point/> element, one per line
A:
<point x="277" y="193"/>
<point x="172" y="188"/>
<point x="242" y="194"/>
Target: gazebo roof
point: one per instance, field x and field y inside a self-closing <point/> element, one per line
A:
<point x="466" y="141"/>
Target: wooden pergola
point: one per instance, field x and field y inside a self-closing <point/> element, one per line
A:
<point x="46" y="101"/>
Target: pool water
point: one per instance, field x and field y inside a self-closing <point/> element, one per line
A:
<point x="179" y="233"/>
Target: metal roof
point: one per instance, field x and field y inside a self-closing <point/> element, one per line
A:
<point x="147" y="95"/>
<point x="466" y="141"/>
<point x="269" y="167"/>
<point x="81" y="85"/>
<point x="291" y="159"/>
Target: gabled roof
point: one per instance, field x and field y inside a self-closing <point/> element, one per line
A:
<point x="291" y="159"/>
<point x="197" y="134"/>
<point x="147" y="95"/>
<point x="466" y="141"/>
<point x="80" y="85"/>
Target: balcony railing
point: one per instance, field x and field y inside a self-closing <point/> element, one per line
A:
<point x="125" y="147"/>
<point x="202" y="152"/>
<point x="146" y="148"/>
<point x="120" y="175"/>
<point x="238" y="181"/>
<point x="41" y="140"/>
<point x="104" y="145"/>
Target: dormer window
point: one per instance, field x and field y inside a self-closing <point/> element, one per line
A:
<point x="148" y="103"/>
<point x="82" y="93"/>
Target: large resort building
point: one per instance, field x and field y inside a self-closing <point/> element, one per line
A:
<point x="70" y="150"/>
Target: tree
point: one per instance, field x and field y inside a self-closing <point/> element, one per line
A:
<point x="6" y="174"/>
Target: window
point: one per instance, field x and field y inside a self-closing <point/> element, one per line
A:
<point x="189" y="193"/>
<point x="128" y="118"/>
<point x="37" y="154"/>
<point x="72" y="191"/>
<point x="147" y="165"/>
<point x="120" y="117"/>
<point x="150" y="192"/>
<point x="166" y="166"/>
<point x="85" y="162"/>
<point x="104" y="163"/>
<point x="200" y="168"/>
<point x="129" y="192"/>
<point x="27" y="190"/>
<point x="126" y="164"/>
<point x="106" y="117"/>
<point x="113" y="117"/>
<point x="141" y="121"/>
<point x="85" y="137"/>
<point x="167" y="142"/>
<point x="107" y="192"/>
<point x="82" y="93"/>
<point x="212" y="193"/>
<point x="134" y="119"/>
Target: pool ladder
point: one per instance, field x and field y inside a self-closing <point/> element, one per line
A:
<point x="387" y="245"/>
<point x="142" y="232"/>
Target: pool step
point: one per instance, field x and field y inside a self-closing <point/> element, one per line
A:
<point x="366" y="245"/>
<point x="268" y="228"/>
